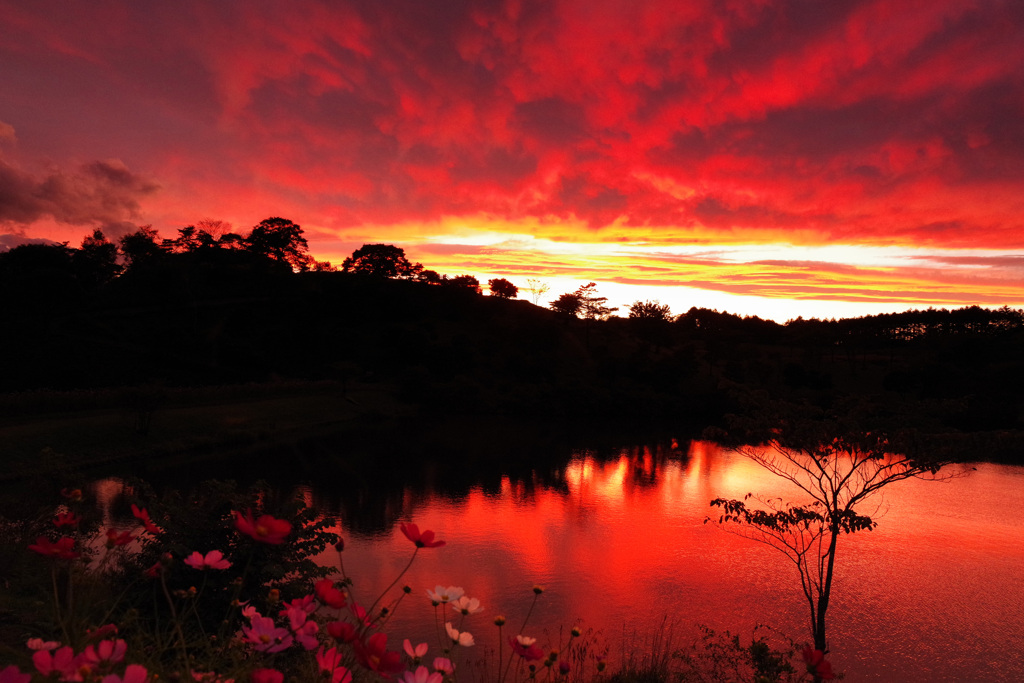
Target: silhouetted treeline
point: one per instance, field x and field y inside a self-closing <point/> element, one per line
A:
<point x="206" y="310"/>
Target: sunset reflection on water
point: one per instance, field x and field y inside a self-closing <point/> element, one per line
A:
<point x="620" y="543"/>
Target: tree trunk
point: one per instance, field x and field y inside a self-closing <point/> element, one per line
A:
<point x="820" y="642"/>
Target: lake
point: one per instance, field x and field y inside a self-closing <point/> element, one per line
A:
<point x="619" y="543"/>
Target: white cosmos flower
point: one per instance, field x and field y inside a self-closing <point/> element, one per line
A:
<point x="442" y="594"/>
<point x="525" y="641"/>
<point x="464" y="639"/>
<point x="465" y="605"/>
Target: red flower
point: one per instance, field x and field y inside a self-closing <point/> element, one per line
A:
<point x="267" y="676"/>
<point x="423" y="539"/>
<point x="61" y="662"/>
<point x="116" y="539"/>
<point x="143" y="516"/>
<point x="374" y="656"/>
<point x="266" y="529"/>
<point x="64" y="519"/>
<point x="342" y="631"/>
<point x="101" y="632"/>
<point x="63" y="549"/>
<point x="12" y="674"/>
<point x="526" y="648"/>
<point x="328" y="594"/>
<point x="816" y="664"/>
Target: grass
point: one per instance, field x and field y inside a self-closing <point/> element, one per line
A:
<point x="90" y="428"/>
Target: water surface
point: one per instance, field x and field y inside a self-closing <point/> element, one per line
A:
<point x="935" y="593"/>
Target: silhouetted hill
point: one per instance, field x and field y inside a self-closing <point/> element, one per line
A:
<point x="231" y="317"/>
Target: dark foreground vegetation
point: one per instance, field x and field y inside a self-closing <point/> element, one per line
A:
<point x="138" y="324"/>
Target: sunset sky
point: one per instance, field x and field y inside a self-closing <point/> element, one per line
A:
<point x="769" y="157"/>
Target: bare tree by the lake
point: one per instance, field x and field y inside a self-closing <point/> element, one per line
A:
<point x="839" y="473"/>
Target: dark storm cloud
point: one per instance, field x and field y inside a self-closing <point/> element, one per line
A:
<point x="101" y="193"/>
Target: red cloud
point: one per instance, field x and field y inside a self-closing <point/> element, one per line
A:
<point x="862" y="121"/>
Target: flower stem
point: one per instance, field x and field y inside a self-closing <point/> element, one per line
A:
<point x="369" y="612"/>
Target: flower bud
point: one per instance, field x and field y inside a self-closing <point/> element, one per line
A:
<point x="407" y="589"/>
<point x="166" y="559"/>
<point x="538" y="589"/>
<point x="499" y="620"/>
<point x="340" y="545"/>
<point x="575" y="632"/>
<point x="274" y="596"/>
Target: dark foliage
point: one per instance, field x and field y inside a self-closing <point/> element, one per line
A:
<point x="212" y="309"/>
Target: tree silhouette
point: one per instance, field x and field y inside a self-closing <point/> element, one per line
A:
<point x="381" y="260"/>
<point x="96" y="262"/>
<point x="188" y="239"/>
<point x="281" y="240"/>
<point x="430" y="277"/>
<point x="592" y="307"/>
<point x="463" y="282"/>
<point x="567" y="304"/>
<point x="650" y="310"/>
<point x="141" y="248"/>
<point x="838" y="470"/>
<point x="502" y="288"/>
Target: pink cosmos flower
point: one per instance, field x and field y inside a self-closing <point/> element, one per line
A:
<point x="265" y="529"/>
<point x="421" y="675"/>
<point x="307" y="603"/>
<point x="359" y="612"/>
<point x="267" y="676"/>
<point x="330" y="662"/>
<point x="40" y="644"/>
<point x="212" y="560"/>
<point x="304" y="630"/>
<point x="106" y="652"/>
<point x="467" y="605"/>
<point x="62" y="662"/>
<point x="417" y="652"/>
<point x="441" y="594"/>
<point x="444" y="665"/>
<point x="464" y="638"/>
<point x="12" y="674"/>
<point x="526" y="648"/>
<point x="133" y="673"/>
<point x="101" y="632"/>
<point x="342" y="631"/>
<point x="264" y="636"/>
<point x="374" y="656"/>
<point x="69" y="519"/>
<point x="63" y="549"/>
<point x="816" y="664"/>
<point x="143" y="516"/>
<point x="328" y="594"/>
<point x="424" y="539"/>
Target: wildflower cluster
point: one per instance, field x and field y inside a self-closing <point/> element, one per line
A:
<point x="268" y="620"/>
